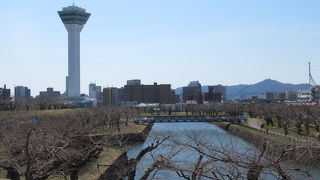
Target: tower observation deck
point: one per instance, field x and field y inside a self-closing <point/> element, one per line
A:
<point x="74" y="18"/>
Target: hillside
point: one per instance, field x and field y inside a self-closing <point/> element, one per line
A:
<point x="246" y="90"/>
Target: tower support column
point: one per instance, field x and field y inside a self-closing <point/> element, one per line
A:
<point x="73" y="89"/>
<point x="74" y="18"/>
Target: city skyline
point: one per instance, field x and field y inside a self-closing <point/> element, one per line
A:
<point x="164" y="42"/>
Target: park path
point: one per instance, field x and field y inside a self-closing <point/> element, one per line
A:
<point x="256" y="124"/>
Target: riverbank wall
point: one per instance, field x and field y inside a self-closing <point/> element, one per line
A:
<point x="307" y="154"/>
<point x="117" y="169"/>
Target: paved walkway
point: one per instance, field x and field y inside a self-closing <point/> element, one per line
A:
<point x="255" y="123"/>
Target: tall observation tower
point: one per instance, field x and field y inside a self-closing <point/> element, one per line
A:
<point x="73" y="18"/>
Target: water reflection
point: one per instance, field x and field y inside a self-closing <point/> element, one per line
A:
<point x="183" y="146"/>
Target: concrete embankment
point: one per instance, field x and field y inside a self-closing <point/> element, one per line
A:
<point x="117" y="169"/>
<point x="257" y="138"/>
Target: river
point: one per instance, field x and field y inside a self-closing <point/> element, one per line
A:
<point x="195" y="134"/>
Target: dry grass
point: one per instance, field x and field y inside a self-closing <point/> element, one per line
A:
<point x="263" y="135"/>
<point x="173" y="114"/>
<point x="58" y="111"/>
<point x="90" y="171"/>
<point x="293" y="131"/>
<point x="165" y="114"/>
<point x="40" y="112"/>
<point x="3" y="174"/>
<point x="107" y="157"/>
<point x="132" y="128"/>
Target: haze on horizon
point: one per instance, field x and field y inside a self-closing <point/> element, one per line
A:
<point x="226" y="42"/>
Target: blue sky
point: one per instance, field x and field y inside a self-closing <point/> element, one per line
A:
<point x="165" y="41"/>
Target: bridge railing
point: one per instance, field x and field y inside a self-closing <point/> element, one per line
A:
<point x="190" y="118"/>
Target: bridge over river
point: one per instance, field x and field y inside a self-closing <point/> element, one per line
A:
<point x="191" y="118"/>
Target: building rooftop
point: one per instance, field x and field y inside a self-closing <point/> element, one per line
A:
<point x="74" y="15"/>
<point x="73" y="7"/>
<point x="194" y="84"/>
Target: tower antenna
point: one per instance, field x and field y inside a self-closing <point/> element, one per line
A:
<point x="311" y="80"/>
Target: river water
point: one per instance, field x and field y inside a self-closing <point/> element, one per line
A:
<point x="184" y="138"/>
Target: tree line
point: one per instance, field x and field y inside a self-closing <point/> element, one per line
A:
<point x="37" y="146"/>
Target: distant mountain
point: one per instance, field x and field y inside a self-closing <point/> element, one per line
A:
<point x="268" y="85"/>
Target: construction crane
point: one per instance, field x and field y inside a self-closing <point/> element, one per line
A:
<point x="312" y="82"/>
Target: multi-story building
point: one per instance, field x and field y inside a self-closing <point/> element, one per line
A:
<point x="193" y="93"/>
<point x="291" y="95"/>
<point x="5" y="93"/>
<point x="134" y="82"/>
<point x="311" y="95"/>
<point x="165" y="93"/>
<point x="315" y="93"/>
<point x="157" y="93"/>
<point x="21" y="92"/>
<point x="304" y="96"/>
<point x="94" y="91"/>
<point x="150" y="93"/>
<point x="276" y="96"/>
<point x="50" y="93"/>
<point x="212" y="97"/>
<point x="220" y="89"/>
<point x="282" y="96"/>
<point x="134" y="91"/>
<point x="109" y="96"/>
<point x="121" y="94"/>
<point x="271" y="95"/>
<point x="175" y="98"/>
